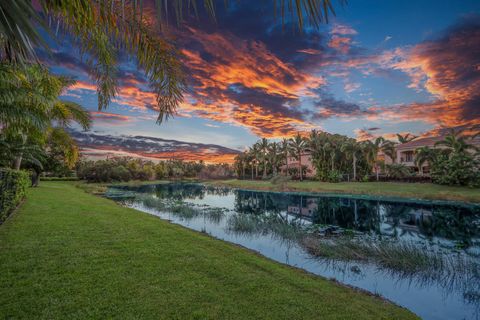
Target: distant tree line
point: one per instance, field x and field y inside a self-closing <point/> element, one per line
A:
<point x="453" y="161"/>
<point x="127" y="168"/>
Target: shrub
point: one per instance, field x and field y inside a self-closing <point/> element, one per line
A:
<point x="13" y="185"/>
<point x="334" y="176"/>
<point x="456" y="169"/>
<point x="398" y="171"/>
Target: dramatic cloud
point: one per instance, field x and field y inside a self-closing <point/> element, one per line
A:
<point x="329" y="107"/>
<point x="250" y="71"/>
<point x="99" y="146"/>
<point x="242" y="82"/>
<point x="448" y="68"/>
<point x="109" y="118"/>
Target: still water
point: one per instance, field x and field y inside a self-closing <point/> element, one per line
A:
<point x="277" y="224"/>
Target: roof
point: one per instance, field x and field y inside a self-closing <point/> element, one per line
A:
<point x="430" y="142"/>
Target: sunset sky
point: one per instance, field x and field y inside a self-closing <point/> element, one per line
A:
<point x="377" y="68"/>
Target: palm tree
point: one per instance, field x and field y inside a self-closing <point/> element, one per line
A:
<point x="255" y="154"/>
<point x="31" y="113"/>
<point x="353" y="148"/>
<point x="372" y="149"/>
<point x="274" y="156"/>
<point x="104" y="27"/>
<point x="405" y="138"/>
<point x="423" y="155"/>
<point x="456" y="143"/>
<point x="388" y="148"/>
<point x="284" y="147"/>
<point x="298" y="145"/>
<point x="332" y="148"/>
<point x="263" y="145"/>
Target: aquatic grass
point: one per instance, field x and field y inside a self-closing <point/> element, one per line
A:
<point x="179" y="208"/>
<point x="250" y="224"/>
<point x="401" y="259"/>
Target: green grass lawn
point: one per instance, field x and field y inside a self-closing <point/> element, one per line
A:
<point x="395" y="189"/>
<point x="68" y="254"/>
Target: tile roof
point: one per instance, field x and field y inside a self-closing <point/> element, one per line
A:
<point x="429" y="141"/>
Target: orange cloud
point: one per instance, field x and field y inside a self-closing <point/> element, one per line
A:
<point x="341" y="44"/>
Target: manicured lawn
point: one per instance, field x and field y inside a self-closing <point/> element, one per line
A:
<point x="67" y="254"/>
<point x="396" y="189"/>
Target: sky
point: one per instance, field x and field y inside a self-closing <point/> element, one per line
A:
<point x="377" y="68"/>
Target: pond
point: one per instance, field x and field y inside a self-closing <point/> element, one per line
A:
<point x="422" y="255"/>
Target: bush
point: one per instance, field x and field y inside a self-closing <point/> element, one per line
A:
<point x="456" y="169"/>
<point x="13" y="186"/>
<point x="334" y="176"/>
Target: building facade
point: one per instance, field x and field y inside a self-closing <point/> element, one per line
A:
<point x="406" y="152"/>
<point x="306" y="160"/>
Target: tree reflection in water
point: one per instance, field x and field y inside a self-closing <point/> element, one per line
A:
<point x="423" y="232"/>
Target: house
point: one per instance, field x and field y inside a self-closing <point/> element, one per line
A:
<point x="405" y="152"/>
<point x="306" y="160"/>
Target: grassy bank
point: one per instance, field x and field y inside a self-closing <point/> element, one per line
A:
<point x="395" y="189"/>
<point x="68" y="254"/>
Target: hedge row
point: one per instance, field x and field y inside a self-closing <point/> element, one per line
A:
<point x="59" y="179"/>
<point x="13" y="185"/>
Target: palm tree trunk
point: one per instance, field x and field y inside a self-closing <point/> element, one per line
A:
<point x="264" y="169"/>
<point x="252" y="171"/>
<point x="17" y="162"/>
<point x="376" y="171"/>
<point x="256" y="170"/>
<point x="300" y="164"/>
<point x="286" y="162"/>
<point x="354" y="167"/>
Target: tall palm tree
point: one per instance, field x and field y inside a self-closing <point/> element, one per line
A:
<point x="104" y="27"/>
<point x="263" y="145"/>
<point x="372" y="148"/>
<point x="274" y="156"/>
<point x="298" y="145"/>
<point x="255" y="154"/>
<point x="284" y="147"/>
<point x="353" y="148"/>
<point x="332" y="147"/>
<point x="240" y="163"/>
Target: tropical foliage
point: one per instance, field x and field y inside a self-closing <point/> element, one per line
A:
<point x="34" y="122"/>
<point x="335" y="157"/>
<point x="453" y="161"/>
